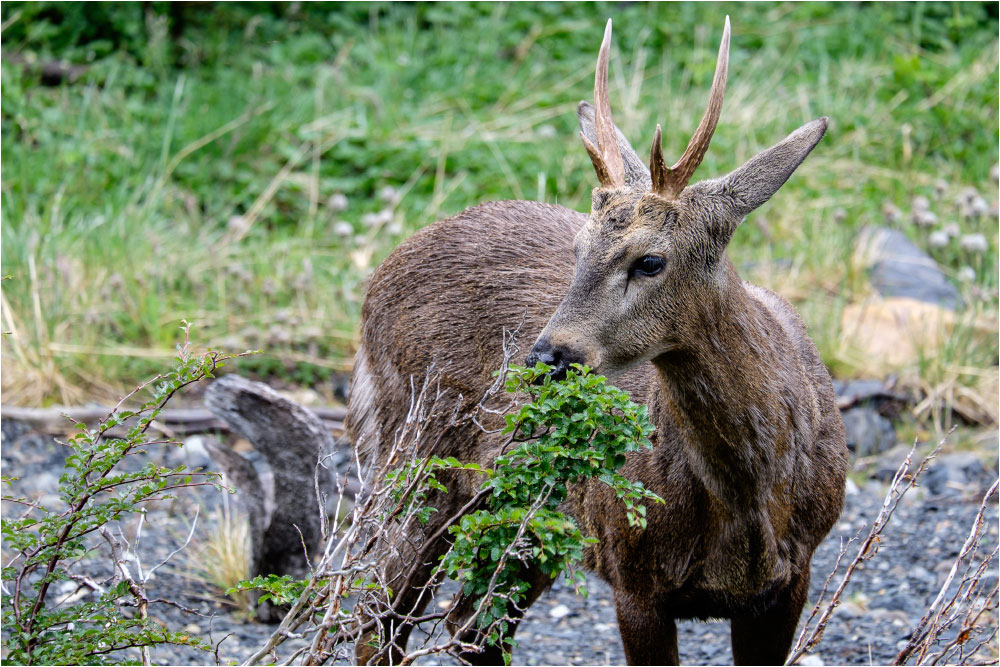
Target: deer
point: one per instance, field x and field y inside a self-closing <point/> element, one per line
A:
<point x="749" y="453"/>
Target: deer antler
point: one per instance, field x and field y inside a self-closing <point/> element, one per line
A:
<point x="669" y="183"/>
<point x="606" y="157"/>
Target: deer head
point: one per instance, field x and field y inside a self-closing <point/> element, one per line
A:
<point x="651" y="267"/>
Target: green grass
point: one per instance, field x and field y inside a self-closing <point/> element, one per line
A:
<point x="188" y="173"/>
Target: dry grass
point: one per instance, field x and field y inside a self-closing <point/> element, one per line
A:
<point x="222" y="558"/>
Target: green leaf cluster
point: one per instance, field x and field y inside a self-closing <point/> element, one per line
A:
<point x="572" y="430"/>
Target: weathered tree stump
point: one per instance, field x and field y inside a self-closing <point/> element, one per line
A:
<point x="293" y="440"/>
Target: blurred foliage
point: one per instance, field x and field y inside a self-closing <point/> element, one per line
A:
<point x="192" y="121"/>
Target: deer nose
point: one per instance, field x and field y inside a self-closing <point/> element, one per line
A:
<point x="551" y="355"/>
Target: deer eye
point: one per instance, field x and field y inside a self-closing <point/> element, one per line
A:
<point x="649" y="265"/>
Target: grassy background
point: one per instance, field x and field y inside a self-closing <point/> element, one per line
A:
<point x="193" y="171"/>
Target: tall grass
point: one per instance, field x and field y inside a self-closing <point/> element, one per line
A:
<point x="194" y="175"/>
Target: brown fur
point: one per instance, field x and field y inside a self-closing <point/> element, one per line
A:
<point x="749" y="450"/>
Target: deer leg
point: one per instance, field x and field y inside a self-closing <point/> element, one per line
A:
<point x="766" y="639"/>
<point x="648" y="630"/>
<point x="493" y="654"/>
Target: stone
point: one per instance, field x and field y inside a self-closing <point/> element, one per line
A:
<point x="812" y="660"/>
<point x="955" y="474"/>
<point x="868" y="432"/>
<point x="888" y="463"/>
<point x="559" y="611"/>
<point x="898" y="268"/>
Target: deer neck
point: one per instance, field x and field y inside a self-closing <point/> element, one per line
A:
<point x="727" y="391"/>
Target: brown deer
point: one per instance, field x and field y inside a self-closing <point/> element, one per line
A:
<point x="749" y="451"/>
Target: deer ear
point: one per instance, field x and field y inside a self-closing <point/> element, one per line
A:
<point x="749" y="186"/>
<point x="636" y="171"/>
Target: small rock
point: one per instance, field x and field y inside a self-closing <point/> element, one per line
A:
<point x="867" y="431"/>
<point x="559" y="611"/>
<point x="889" y="462"/>
<point x="898" y="268"/>
<point x="192" y="629"/>
<point x="811" y="660"/>
<point x="850" y="488"/>
<point x="954" y="474"/>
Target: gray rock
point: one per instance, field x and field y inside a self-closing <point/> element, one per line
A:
<point x="898" y="268"/>
<point x="955" y="474"/>
<point x="888" y="463"/>
<point x="868" y="432"/>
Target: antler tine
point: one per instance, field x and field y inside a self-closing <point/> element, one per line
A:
<point x="657" y="167"/>
<point x="607" y="139"/>
<point x="675" y="179"/>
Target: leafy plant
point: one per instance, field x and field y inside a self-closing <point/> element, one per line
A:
<point x="573" y="430"/>
<point x="46" y="543"/>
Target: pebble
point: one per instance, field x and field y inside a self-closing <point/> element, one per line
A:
<point x="559" y="611"/>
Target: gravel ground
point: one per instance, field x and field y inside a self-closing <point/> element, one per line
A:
<point x="884" y="601"/>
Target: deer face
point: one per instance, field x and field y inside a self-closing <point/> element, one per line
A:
<point x="650" y="262"/>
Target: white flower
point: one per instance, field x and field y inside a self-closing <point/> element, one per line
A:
<point x="343" y="228"/>
<point x="967" y="274"/>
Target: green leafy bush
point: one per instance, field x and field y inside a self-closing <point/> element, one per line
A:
<point x="572" y="430"/>
<point x="43" y="545"/>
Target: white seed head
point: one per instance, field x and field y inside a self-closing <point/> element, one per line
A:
<point x="891" y="212"/>
<point x="337" y="202"/>
<point x="343" y="228"/>
<point x="975" y="243"/>
<point x="938" y="238"/>
<point x="390" y="195"/>
<point x="967" y="274"/>
<point x="920" y="203"/>
<point x="924" y="218"/>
